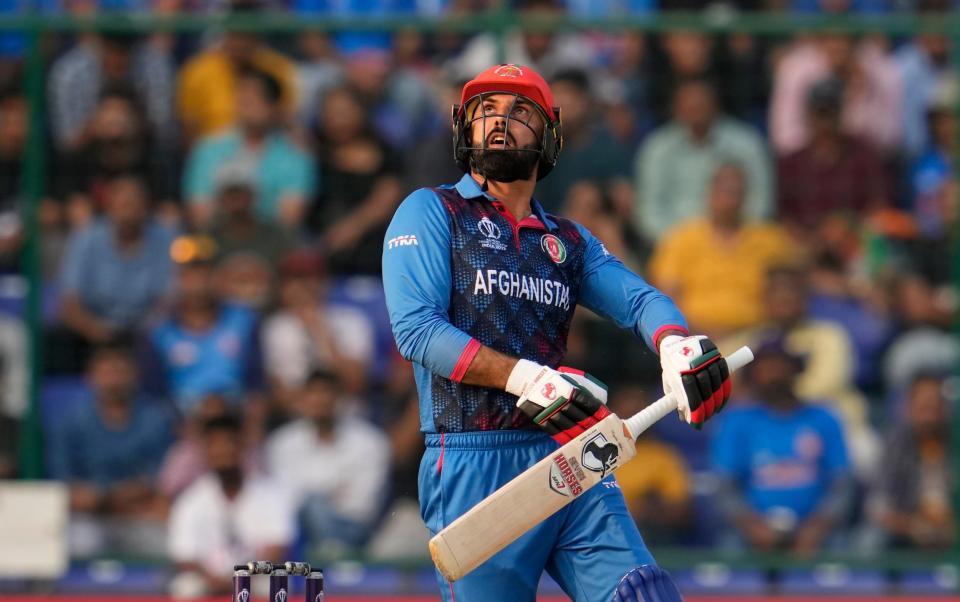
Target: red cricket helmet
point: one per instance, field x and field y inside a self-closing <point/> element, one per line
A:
<point x="523" y="82"/>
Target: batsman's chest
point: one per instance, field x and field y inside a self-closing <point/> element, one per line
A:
<point x="492" y="253"/>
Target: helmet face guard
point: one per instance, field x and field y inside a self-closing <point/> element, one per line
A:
<point x="551" y="140"/>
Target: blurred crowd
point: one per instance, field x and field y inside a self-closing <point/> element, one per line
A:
<point x="219" y="380"/>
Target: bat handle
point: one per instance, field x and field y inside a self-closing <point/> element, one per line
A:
<point x="645" y="418"/>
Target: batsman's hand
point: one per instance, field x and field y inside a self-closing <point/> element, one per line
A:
<point x="696" y="375"/>
<point x="564" y="402"/>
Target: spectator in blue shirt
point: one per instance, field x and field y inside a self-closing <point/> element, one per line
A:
<point x="785" y="478"/>
<point x="108" y="452"/>
<point x="205" y="346"/>
<point x="12" y="44"/>
<point x="115" y="271"/>
<point x="284" y="173"/>
<point x="932" y="174"/>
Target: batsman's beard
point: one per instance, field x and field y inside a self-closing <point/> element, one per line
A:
<point x="505" y="165"/>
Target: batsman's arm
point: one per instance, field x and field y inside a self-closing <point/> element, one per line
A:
<point x="611" y="289"/>
<point x="417" y="280"/>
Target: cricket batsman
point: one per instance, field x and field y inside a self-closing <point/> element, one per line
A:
<point x="481" y="285"/>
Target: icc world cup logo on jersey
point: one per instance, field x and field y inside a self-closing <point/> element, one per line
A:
<point x="488" y="228"/>
<point x="553" y="247"/>
<point x="491" y="235"/>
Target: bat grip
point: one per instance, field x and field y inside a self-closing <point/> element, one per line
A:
<point x="645" y="418"/>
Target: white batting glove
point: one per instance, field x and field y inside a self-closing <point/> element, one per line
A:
<point x="564" y="402"/>
<point x="696" y="375"/>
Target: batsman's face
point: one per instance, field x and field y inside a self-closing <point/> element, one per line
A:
<point x="523" y="128"/>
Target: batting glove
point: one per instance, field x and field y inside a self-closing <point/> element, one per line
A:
<point x="696" y="375"/>
<point x="563" y="402"/>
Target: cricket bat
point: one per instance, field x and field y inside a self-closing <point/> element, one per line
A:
<point x="547" y="486"/>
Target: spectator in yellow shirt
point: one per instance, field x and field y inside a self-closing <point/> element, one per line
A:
<point x="206" y="90"/>
<point x="714" y="266"/>
<point x="656" y="485"/>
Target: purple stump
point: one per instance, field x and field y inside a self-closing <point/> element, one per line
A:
<point x="278" y="585"/>
<point x="314" y="587"/>
<point x="241" y="586"/>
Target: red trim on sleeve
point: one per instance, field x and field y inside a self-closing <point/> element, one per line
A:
<point x="656" y="336"/>
<point x="460" y="370"/>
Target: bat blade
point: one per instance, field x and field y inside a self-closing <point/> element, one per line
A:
<point x="530" y="498"/>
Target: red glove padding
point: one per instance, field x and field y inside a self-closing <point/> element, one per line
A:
<point x="564" y="402"/>
<point x="696" y="375"/>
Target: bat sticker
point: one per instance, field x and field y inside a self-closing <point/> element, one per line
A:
<point x="563" y="479"/>
<point x="600" y="455"/>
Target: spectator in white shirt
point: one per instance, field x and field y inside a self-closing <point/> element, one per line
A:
<point x="226" y="517"/>
<point x="337" y="466"/>
<point x="307" y="333"/>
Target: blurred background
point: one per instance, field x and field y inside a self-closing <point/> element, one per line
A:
<point x="196" y="366"/>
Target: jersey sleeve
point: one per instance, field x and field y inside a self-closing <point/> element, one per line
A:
<point x="417" y="280"/>
<point x="610" y="289"/>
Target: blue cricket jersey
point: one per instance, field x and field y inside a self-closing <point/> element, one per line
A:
<point x="781" y="459"/>
<point x="188" y="365"/>
<point x="460" y="272"/>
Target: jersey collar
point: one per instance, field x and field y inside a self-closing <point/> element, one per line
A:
<point x="468" y="188"/>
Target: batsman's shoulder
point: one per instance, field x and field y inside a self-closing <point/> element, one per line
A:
<point x="422" y="198"/>
<point x="421" y="219"/>
<point x="421" y="204"/>
<point x="566" y="227"/>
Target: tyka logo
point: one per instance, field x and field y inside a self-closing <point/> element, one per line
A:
<point x="404" y="240"/>
<point x="600" y="455"/>
<point x="243" y="595"/>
